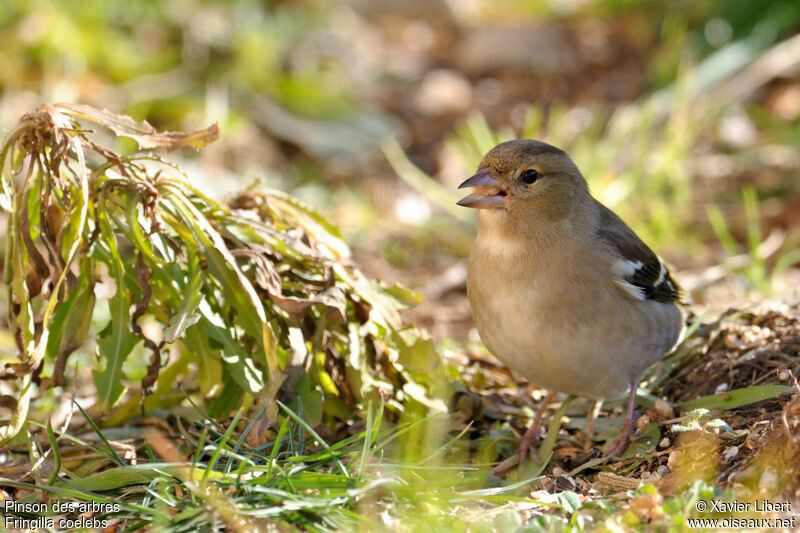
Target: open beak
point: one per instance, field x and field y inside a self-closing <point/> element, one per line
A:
<point x="489" y="192"/>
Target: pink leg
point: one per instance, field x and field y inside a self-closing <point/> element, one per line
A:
<point x="531" y="436"/>
<point x="621" y="442"/>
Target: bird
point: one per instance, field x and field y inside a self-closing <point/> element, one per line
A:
<point x="563" y="291"/>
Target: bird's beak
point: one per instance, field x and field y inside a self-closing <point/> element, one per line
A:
<point x="489" y="192"/>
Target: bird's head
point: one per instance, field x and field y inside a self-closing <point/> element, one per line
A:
<point x="529" y="181"/>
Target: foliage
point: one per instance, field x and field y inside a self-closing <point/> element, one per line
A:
<point x="191" y="45"/>
<point x="253" y="296"/>
<point x="753" y="266"/>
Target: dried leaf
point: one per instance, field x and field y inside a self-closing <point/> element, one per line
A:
<point x="143" y="272"/>
<point x="143" y="133"/>
<point x="333" y="298"/>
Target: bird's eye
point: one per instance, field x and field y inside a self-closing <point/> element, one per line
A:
<point x="529" y="176"/>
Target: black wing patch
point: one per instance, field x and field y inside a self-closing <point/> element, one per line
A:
<point x="642" y="275"/>
<point x="656" y="282"/>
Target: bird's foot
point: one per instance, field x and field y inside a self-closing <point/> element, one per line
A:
<point x="527" y="448"/>
<point x="529" y="443"/>
<point x="530" y="439"/>
<point x="621" y="442"/>
<point x="619" y="445"/>
<point x="504" y="466"/>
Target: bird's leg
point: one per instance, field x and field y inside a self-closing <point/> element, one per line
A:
<point x="590" y="420"/>
<point x="621" y="442"/>
<point x="531" y="436"/>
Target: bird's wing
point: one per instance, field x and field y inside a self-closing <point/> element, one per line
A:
<point x="640" y="274"/>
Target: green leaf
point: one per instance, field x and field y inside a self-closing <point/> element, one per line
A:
<point x="228" y="400"/>
<point x="114" y="346"/>
<point x="222" y="265"/>
<point x="569" y="501"/>
<point x="235" y="284"/>
<point x="545" y="451"/>
<point x="109" y="451"/>
<point x="237" y="361"/>
<point x="647" y="439"/>
<point x="113" y="478"/>
<point x="209" y="366"/>
<point x="302" y="215"/>
<point x="735" y="398"/>
<point x="312" y="399"/>
<point x="186" y="314"/>
<point x="116" y="340"/>
<point x="416" y="353"/>
<point x="135" y="233"/>
<point x="72" y="318"/>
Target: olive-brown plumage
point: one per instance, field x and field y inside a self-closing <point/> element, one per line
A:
<point x="562" y="290"/>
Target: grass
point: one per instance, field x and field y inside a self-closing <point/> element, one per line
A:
<point x="765" y="260"/>
<point x="207" y="477"/>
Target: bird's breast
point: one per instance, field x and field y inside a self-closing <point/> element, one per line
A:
<point x="505" y="296"/>
<point x="562" y="332"/>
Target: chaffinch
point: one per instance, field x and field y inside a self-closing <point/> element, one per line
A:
<point x="562" y="290"/>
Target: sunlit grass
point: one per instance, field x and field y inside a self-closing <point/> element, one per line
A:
<point x="765" y="260"/>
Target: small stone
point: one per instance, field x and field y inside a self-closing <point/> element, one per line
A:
<point x="664" y="443"/>
<point x="732" y="341"/>
<point x="731" y="452"/>
<point x="672" y="460"/>
<point x="565" y="483"/>
<point x="642" y="421"/>
<point x="784" y="101"/>
<point x="647" y="506"/>
<point x="664" y="409"/>
<point x="784" y="375"/>
<point x="663" y="470"/>
<point x="768" y="481"/>
<point x="722" y="387"/>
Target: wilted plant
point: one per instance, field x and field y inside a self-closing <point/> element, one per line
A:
<point x="256" y="296"/>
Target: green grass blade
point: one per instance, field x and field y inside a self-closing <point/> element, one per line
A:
<point x="56" y="454"/>
<point x="111" y="453"/>
<point x="735" y="398"/>
<point x="221" y="444"/>
<point x="319" y="439"/>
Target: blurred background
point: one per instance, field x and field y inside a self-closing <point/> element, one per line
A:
<point x="684" y="116"/>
